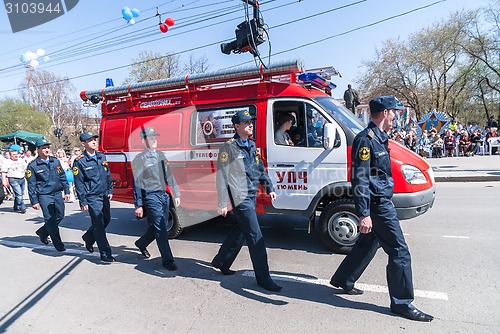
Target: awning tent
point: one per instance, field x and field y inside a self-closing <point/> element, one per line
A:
<point x="18" y="136"/>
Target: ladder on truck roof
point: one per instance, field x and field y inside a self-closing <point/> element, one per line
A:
<point x="215" y="77"/>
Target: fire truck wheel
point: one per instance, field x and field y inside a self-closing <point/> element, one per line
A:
<point x="174" y="227"/>
<point x="339" y="225"/>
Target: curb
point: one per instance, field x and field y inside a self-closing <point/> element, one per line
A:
<point x="465" y="178"/>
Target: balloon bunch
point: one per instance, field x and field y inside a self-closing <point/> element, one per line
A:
<point x="30" y="58"/>
<point x="168" y="23"/>
<point x="130" y="14"/>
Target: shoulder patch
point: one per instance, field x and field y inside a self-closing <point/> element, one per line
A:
<point x="371" y="134"/>
<point x="223" y="157"/>
<point x="28" y="173"/>
<point x="364" y="153"/>
<point x="75" y="170"/>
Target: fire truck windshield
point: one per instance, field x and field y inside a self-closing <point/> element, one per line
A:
<point x="341" y="114"/>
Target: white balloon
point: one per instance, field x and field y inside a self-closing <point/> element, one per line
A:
<point x="34" y="63"/>
<point x="24" y="59"/>
<point x="40" y="52"/>
<point x="131" y="21"/>
<point x="46" y="58"/>
<point x="31" y="55"/>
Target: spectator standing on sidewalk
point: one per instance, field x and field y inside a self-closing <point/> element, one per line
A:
<point x="2" y="192"/>
<point x="13" y="176"/>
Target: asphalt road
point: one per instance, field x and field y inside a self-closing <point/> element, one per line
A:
<point x="455" y="266"/>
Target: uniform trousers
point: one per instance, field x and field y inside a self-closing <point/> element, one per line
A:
<point x="53" y="213"/>
<point x="247" y="229"/>
<point x="99" y="211"/>
<point x="157" y="205"/>
<point x="386" y="233"/>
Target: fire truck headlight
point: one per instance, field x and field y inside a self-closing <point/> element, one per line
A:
<point x="413" y="175"/>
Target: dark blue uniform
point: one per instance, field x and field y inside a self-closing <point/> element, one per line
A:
<point x="373" y="189"/>
<point x="239" y="172"/>
<point x="93" y="185"/>
<point x="46" y="181"/>
<point x="151" y="175"/>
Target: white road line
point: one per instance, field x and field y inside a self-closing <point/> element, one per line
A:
<point x="286" y="278"/>
<point x="366" y="287"/>
<point x="68" y="251"/>
<point x="456" y="237"/>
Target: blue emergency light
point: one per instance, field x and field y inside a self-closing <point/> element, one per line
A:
<point x="317" y="81"/>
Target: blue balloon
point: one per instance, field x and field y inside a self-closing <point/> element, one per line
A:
<point x="135" y="12"/>
<point x="125" y="9"/>
<point x="127" y="15"/>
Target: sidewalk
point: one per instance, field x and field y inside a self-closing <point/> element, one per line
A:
<point x="466" y="169"/>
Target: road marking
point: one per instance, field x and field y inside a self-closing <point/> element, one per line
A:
<point x="68" y="251"/>
<point x="456" y="237"/>
<point x="366" y="287"/>
<point x="286" y="278"/>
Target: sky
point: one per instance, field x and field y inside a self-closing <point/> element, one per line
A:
<point x="92" y="42"/>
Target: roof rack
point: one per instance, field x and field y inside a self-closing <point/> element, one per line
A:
<point x="220" y="76"/>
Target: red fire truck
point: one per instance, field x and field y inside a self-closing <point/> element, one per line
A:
<point x="193" y="116"/>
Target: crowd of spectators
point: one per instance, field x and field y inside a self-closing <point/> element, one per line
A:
<point x="455" y="140"/>
<point x="13" y="163"/>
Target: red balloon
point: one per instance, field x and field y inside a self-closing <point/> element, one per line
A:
<point x="169" y="21"/>
<point x="163" y="27"/>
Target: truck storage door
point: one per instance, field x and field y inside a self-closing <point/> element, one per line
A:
<point x="301" y="168"/>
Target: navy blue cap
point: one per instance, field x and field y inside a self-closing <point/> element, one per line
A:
<point x="241" y="116"/>
<point x="41" y="142"/>
<point x="148" y="132"/>
<point x="87" y="135"/>
<point x="382" y="103"/>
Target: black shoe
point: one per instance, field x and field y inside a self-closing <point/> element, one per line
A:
<point x="348" y="291"/>
<point x="224" y="271"/>
<point x="22" y="211"/>
<point x="43" y="239"/>
<point x="413" y="313"/>
<point x="88" y="245"/>
<point x="143" y="251"/>
<point x="272" y="287"/>
<point x="60" y="248"/>
<point x="170" y="266"/>
<point x="106" y="258"/>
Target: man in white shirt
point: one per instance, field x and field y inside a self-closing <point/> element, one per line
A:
<point x="13" y="175"/>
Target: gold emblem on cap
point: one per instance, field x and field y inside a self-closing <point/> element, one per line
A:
<point x="246" y="113"/>
<point x="151" y="130"/>
<point x="364" y="153"/>
<point x="223" y="157"/>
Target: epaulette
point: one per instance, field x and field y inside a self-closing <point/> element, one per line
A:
<point x="371" y="134"/>
<point x="230" y="141"/>
<point x="79" y="157"/>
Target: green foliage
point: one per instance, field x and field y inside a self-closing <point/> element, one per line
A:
<point x="17" y="115"/>
<point x="451" y="66"/>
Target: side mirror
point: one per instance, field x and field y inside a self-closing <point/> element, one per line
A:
<point x="330" y="136"/>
